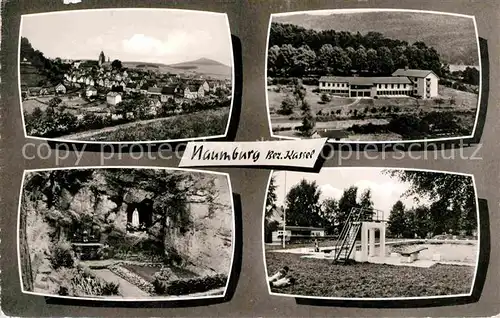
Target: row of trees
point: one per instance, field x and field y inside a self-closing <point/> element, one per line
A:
<point x="453" y="207"/>
<point x="295" y="51"/>
<point x="304" y="208"/>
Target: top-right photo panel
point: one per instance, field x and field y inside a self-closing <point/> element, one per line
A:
<point x="371" y="75"/>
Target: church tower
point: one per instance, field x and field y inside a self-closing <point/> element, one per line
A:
<point x="102" y="58"/>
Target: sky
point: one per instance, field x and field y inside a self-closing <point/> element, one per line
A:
<point x="332" y="182"/>
<point x="154" y="36"/>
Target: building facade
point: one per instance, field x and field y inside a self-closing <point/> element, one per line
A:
<point x="297" y="232"/>
<point x="403" y="82"/>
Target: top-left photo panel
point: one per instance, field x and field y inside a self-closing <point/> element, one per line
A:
<point x="126" y="75"/>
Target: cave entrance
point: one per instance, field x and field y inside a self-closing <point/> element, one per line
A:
<point x="139" y="215"/>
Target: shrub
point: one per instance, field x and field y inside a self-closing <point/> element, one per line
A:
<point x="62" y="255"/>
<point x="196" y="285"/>
<point x="110" y="288"/>
<point x="316" y="90"/>
<point x="325" y="98"/>
<point x="287" y="106"/>
<point x="373" y="110"/>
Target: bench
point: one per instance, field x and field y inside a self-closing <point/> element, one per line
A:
<point x="410" y="255"/>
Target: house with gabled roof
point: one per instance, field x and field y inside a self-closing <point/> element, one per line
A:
<point x="167" y="92"/>
<point x="60" y="89"/>
<point x="425" y="82"/>
<point x="90" y="91"/>
<point x="113" y="98"/>
<point x="154" y="91"/>
<point x="194" y="91"/>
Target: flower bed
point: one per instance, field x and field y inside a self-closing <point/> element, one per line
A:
<point x="167" y="286"/>
<point x="132" y="277"/>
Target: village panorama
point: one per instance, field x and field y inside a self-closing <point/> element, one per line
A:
<point x="372" y="76"/>
<point x="107" y="99"/>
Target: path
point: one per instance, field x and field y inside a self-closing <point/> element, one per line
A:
<point x="90" y="133"/>
<point x="126" y="289"/>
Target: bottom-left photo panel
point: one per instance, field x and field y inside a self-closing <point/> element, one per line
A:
<point x="124" y="233"/>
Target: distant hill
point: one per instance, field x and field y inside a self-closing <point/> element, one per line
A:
<point x="202" y="66"/>
<point x="205" y="66"/>
<point x="453" y="37"/>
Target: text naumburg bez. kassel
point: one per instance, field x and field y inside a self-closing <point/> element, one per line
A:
<point x="199" y="153"/>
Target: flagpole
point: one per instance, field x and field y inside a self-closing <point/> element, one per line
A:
<point x="284" y="216"/>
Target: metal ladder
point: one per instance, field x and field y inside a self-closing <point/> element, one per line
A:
<point x="347" y="238"/>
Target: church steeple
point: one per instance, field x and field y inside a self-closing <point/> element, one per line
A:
<point x="102" y="58"/>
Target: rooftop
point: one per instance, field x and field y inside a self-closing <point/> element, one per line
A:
<point x="412" y="72"/>
<point x="361" y="80"/>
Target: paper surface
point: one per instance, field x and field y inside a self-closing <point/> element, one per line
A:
<point x="301" y="153"/>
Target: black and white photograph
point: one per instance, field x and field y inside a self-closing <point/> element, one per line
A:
<point x="131" y="234"/>
<point x="373" y="75"/>
<point x="125" y="75"/>
<point x="371" y="234"/>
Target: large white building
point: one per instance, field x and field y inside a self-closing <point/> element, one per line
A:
<point x="403" y="82"/>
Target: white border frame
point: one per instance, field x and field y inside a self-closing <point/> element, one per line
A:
<point x="233" y="88"/>
<point x="348" y="11"/>
<point x="121" y="299"/>
<point x="371" y="298"/>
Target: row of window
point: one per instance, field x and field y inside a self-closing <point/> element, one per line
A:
<point x="386" y="93"/>
<point x="334" y="84"/>
<point x="392" y="86"/>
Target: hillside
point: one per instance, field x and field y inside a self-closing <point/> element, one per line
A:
<point x="202" y="66"/>
<point x="31" y="77"/>
<point x="442" y="32"/>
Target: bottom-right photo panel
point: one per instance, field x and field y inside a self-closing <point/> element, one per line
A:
<point x="371" y="234"/>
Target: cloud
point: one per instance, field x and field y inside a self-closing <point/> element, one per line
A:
<point x="329" y="191"/>
<point x="143" y="44"/>
<point x="177" y="43"/>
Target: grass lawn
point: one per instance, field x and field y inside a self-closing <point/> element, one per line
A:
<point x="30" y="105"/>
<point x="464" y="100"/>
<point x="317" y="277"/>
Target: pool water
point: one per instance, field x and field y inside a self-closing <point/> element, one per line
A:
<point x="463" y="253"/>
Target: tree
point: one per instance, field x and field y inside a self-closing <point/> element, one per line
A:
<point x="287" y="106"/>
<point x="302" y="204"/>
<point x="303" y="61"/>
<point x="419" y="220"/>
<point x="453" y="197"/>
<point x="274" y="60"/>
<point x="270" y="226"/>
<point x="308" y="121"/>
<point x="117" y="65"/>
<point x="329" y="210"/>
<point x="271" y="197"/>
<point x="347" y="201"/>
<point x="55" y="102"/>
<point x="397" y="224"/>
<point x="299" y="92"/>
<point x="360" y="59"/>
<point x="366" y="204"/>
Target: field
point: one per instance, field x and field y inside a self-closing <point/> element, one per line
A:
<point x="200" y="124"/>
<point x="318" y="277"/>
<point x="74" y="105"/>
<point x="342" y="113"/>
